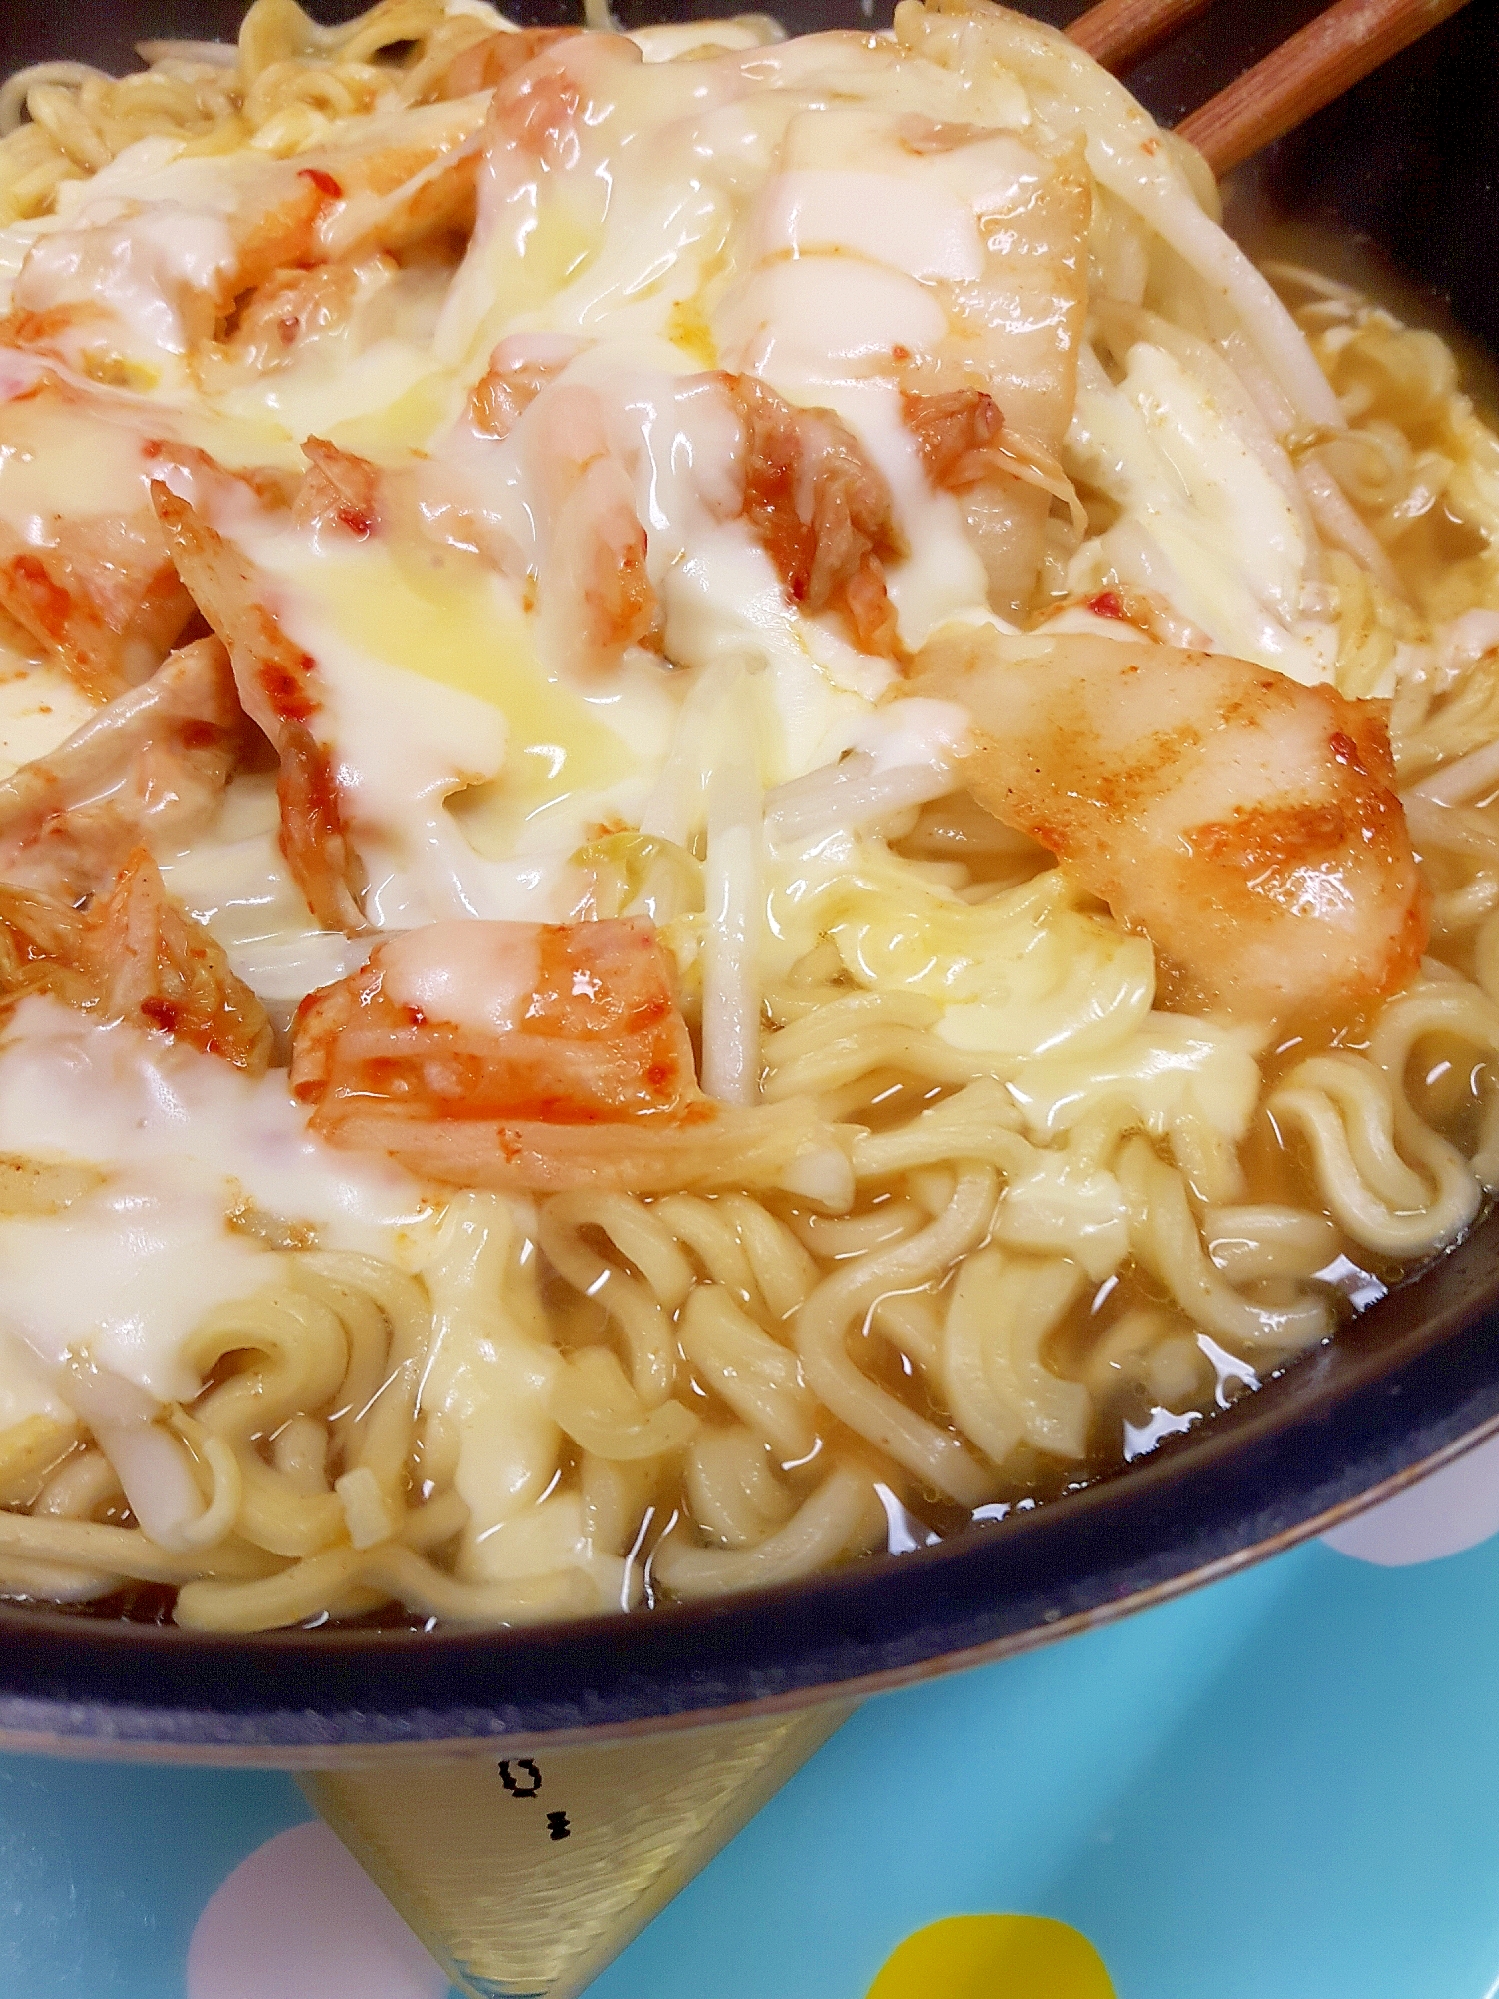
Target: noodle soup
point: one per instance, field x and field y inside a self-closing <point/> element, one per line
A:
<point x="750" y="809"/>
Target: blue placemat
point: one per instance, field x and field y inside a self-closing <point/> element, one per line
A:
<point x="1282" y="1787"/>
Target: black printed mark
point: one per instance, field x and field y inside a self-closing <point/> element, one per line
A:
<point x="557" y="1825"/>
<point x="514" y="1778"/>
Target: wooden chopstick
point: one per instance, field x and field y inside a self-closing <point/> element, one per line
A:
<point x="1119" y="32"/>
<point x="1327" y="57"/>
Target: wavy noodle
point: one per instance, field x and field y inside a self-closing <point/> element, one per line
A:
<point x="731" y="1486"/>
<point x="1166" y="1240"/>
<point x="996" y="1381"/>
<point x="638" y="1306"/>
<point x="1268" y="1240"/>
<point x="843" y="1516"/>
<point x="756" y="1376"/>
<point x="840" y="1042"/>
<point x="594" y="1401"/>
<point x="1148" y="1348"/>
<point x="383" y="1573"/>
<point x="1393" y="1183"/>
<point x="287" y="80"/>
<point x="841" y="1302"/>
<point x="1469" y="1014"/>
<point x="295" y="1354"/>
<point x="320" y="1491"/>
<point x="77" y="1490"/>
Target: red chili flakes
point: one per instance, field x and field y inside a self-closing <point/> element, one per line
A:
<point x="323" y="182"/>
<point x="50" y="604"/>
<point x="162" y="1013"/>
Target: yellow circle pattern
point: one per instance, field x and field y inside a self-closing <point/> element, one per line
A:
<point x="994" y="1957"/>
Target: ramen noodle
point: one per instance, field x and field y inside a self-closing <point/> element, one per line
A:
<point x="749" y="811"/>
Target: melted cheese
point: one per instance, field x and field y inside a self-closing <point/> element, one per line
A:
<point x="872" y="215"/>
<point x="185" y="1140"/>
<point x="141" y="268"/>
<point x="60" y="463"/>
<point x="1168" y="1068"/>
<point x="1202" y="522"/>
<point x="433" y="694"/>
<point x="234" y="879"/>
<point x="481" y="979"/>
<point x="40" y="707"/>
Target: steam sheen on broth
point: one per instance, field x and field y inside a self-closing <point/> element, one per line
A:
<point x="746" y="812"/>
